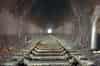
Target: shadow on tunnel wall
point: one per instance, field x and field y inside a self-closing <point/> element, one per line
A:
<point x="98" y="41"/>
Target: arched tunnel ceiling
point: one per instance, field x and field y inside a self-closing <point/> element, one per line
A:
<point x="60" y="8"/>
<point x="46" y="11"/>
<point x="50" y="11"/>
<point x="51" y="7"/>
<point x="48" y="7"/>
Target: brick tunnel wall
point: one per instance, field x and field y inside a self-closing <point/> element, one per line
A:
<point x="14" y="23"/>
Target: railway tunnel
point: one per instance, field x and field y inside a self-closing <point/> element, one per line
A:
<point x="44" y="32"/>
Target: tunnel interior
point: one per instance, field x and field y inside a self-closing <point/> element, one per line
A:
<point x="26" y="23"/>
<point x="51" y="9"/>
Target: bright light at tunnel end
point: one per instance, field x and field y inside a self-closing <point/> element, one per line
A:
<point x="49" y="30"/>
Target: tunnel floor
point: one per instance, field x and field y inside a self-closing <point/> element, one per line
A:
<point x="46" y="52"/>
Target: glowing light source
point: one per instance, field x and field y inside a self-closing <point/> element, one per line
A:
<point x="49" y="30"/>
<point x="93" y="35"/>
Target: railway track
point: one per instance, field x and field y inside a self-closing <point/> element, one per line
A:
<point x="48" y="53"/>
